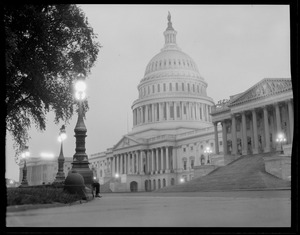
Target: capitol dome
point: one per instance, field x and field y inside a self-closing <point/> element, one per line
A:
<point x="172" y="93"/>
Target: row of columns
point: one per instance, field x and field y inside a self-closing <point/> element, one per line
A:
<point x="171" y="111"/>
<point x="153" y="161"/>
<point x="254" y="134"/>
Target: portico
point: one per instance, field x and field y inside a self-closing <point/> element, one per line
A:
<point x="252" y="120"/>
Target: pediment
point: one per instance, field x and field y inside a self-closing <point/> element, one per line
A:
<point x="266" y="87"/>
<point x="126" y="141"/>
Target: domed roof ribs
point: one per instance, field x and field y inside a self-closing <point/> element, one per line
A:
<point x="170" y="36"/>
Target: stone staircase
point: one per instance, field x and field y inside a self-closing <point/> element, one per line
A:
<point x="245" y="173"/>
<point x="104" y="188"/>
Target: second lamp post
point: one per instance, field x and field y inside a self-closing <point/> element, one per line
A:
<point x="60" y="176"/>
<point x="24" y="155"/>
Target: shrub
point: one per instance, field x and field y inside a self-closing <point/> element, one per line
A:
<point x="39" y="195"/>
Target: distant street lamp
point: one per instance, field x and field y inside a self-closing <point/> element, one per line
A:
<point x="280" y="139"/>
<point x="181" y="180"/>
<point x="208" y="151"/>
<point x="60" y="176"/>
<point x="24" y="155"/>
<point x="80" y="159"/>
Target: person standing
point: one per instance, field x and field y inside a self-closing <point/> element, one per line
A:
<point x="96" y="186"/>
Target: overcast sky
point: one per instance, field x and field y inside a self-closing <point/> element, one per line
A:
<point x="234" y="47"/>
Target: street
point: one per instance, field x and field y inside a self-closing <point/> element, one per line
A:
<point x="201" y="209"/>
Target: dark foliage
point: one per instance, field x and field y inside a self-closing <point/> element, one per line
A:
<point x="46" y="46"/>
<point x="41" y="195"/>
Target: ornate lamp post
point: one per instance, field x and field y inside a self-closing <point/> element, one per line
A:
<point x="280" y="139"/>
<point x="208" y="151"/>
<point x="80" y="159"/>
<point x="24" y="155"/>
<point x="60" y="176"/>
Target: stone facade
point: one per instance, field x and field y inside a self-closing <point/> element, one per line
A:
<point x="41" y="171"/>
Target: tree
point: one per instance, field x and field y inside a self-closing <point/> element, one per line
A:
<point x="45" y="47"/>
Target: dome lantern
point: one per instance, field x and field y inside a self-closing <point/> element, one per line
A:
<point x="170" y="36"/>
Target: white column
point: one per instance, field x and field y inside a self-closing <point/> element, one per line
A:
<point x="134" y="118"/>
<point x="224" y="132"/>
<point x="291" y="119"/>
<point x="267" y="131"/>
<point x="244" y="135"/>
<point x="216" y="138"/>
<point x="160" y="112"/>
<point x="146" y="113"/>
<point x="118" y="164"/>
<point x="255" y="135"/>
<point x="142" y="115"/>
<point x="152" y="113"/>
<point x="175" y="110"/>
<point x="113" y="167"/>
<point x="152" y="162"/>
<point x="278" y="123"/>
<point x="167" y="111"/>
<point x="182" y="110"/>
<point x="233" y="135"/>
<point x="128" y="162"/>
<point x="167" y="160"/>
<point x="142" y="162"/>
<point x="174" y="156"/>
<point x="207" y="115"/>
<point x="188" y="111"/>
<point x="161" y="160"/>
<point x="157" y="166"/>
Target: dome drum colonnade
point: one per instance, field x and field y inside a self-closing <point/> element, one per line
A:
<point x="254" y="130"/>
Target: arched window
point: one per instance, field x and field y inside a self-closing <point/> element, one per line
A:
<point x="202" y="159"/>
<point x="192" y="161"/>
<point x="164" y="182"/>
<point x="159" y="186"/>
<point x="184" y="160"/>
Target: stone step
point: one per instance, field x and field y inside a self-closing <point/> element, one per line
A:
<point x="244" y="173"/>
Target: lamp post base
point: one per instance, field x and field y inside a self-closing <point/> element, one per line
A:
<point x="59" y="178"/>
<point x="86" y="173"/>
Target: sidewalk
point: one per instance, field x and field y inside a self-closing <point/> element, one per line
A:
<point x="201" y="209"/>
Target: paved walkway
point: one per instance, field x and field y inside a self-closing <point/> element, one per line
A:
<point x="200" y="209"/>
